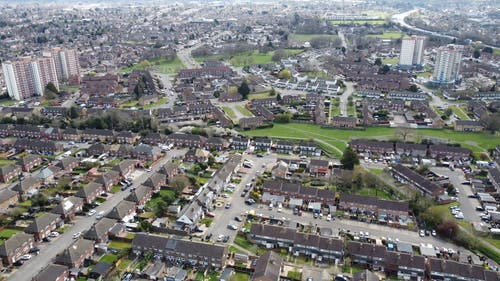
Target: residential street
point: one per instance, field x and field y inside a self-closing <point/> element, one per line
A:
<point x="81" y="224"/>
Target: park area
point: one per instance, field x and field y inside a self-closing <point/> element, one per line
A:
<point x="334" y="141"/>
<point x="161" y="65"/>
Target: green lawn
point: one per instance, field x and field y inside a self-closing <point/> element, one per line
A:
<point x="382" y="194"/>
<point x="240" y="276"/>
<point x="391" y="61"/>
<point x="256" y="57"/>
<point x="7" y="233"/>
<point x="459" y="112"/>
<point x="335" y="110"/>
<point x="123" y="265"/>
<point x="387" y="35"/>
<point x="5" y="162"/>
<point x="109" y="258"/>
<point x="115" y="189"/>
<point x="377" y="171"/>
<point x="335" y="141"/>
<point x="209" y="57"/>
<point x="230" y="113"/>
<point x="426" y="74"/>
<point x="319" y="74"/>
<point x="295" y="37"/>
<point x="131" y="103"/>
<point x="261" y="95"/>
<point x="162" y="65"/>
<point x="437" y="110"/>
<point x="160" y="101"/>
<point x="351" y="111"/>
<point x="294" y="275"/>
<point x="8" y="102"/>
<point x="244" y="111"/>
<point x="119" y="245"/>
<point x="360" y="22"/>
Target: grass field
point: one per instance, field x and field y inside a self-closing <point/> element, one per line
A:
<point x="335" y="109"/>
<point x="360" y="22"/>
<point x="295" y="37"/>
<point x="256" y="57"/>
<point x="7" y="102"/>
<point x="335" y="141"/>
<point x="162" y="65"/>
<point x="459" y="112"/>
<point x="120" y="245"/>
<point x="351" y="111"/>
<point x="229" y="112"/>
<point x="319" y="74"/>
<point x="256" y="96"/>
<point x="7" y="233"/>
<point x="160" y="101"/>
<point x="244" y="111"/>
<point x="437" y="110"/>
<point x="391" y="61"/>
<point x="387" y="35"/>
<point x="5" y="162"/>
<point x="209" y="57"/>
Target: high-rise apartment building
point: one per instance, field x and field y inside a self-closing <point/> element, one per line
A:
<point x="412" y="49"/>
<point x="447" y="63"/>
<point x="27" y="77"/>
<point x="66" y="63"/>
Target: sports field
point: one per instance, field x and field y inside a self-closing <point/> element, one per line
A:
<point x="335" y="141"/>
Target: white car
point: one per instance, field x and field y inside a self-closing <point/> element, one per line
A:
<point x="54" y="234"/>
<point x="26" y="257"/>
<point x="77" y="235"/>
<point x="92" y="212"/>
<point x="329" y="217"/>
<point x="421" y="233"/>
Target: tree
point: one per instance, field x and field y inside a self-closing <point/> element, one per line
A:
<point x="476" y="54"/>
<point x="39" y="199"/>
<point x="272" y="93"/>
<point x="447" y="112"/>
<point x="384" y="69"/>
<point x="403" y="133"/>
<point x="349" y="159"/>
<point x="278" y="55"/>
<point x="73" y="112"/>
<point x="413" y="88"/>
<point x="448" y="228"/>
<point x="278" y="97"/>
<point x="51" y="87"/>
<point x="285" y="74"/>
<point x="179" y="183"/>
<point x="244" y="90"/>
<point x="378" y="61"/>
<point x="161" y="208"/>
<point x="282" y="118"/>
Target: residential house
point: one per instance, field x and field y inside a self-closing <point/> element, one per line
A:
<point x="284" y="147"/>
<point x="28" y="185"/>
<point x="109" y="179"/>
<point x="344" y="122"/>
<point x="75" y="255"/>
<point x="99" y="232"/>
<point x="68" y="207"/>
<point x="190" y="252"/>
<point x="125" y="167"/>
<point x="101" y="135"/>
<point x="101" y="270"/>
<point x="15" y="247"/>
<point x="268" y="267"/>
<point x="272" y="235"/>
<point x="126" y="137"/>
<point x="29" y="162"/>
<point x="146" y="152"/>
<point x="240" y="143"/>
<point x="124" y="211"/>
<point x="405" y="266"/>
<point x="53" y="272"/>
<point x="196" y="155"/>
<point x="153" y="138"/>
<point x="372" y="147"/>
<point x="8" y="198"/>
<point x="309" y="149"/>
<point x="67" y="164"/>
<point x="440" y="269"/>
<point x="43" y="225"/>
<point x="406" y="175"/>
<point x="54" y="111"/>
<point x="367" y="254"/>
<point x="170" y="170"/>
<point x="252" y="122"/>
<point x="449" y="152"/>
<point x="38" y="146"/>
<point x="156" y="181"/>
<point x="411" y="149"/>
<point x="141" y="195"/>
<point x="186" y="140"/>
<point x="468" y="126"/>
<point x="9" y="172"/>
<point x="97" y="149"/>
<point x="321" y="248"/>
<point x="216" y="143"/>
<point x="263" y="144"/>
<point x="71" y="134"/>
<point x="319" y="167"/>
<point x="365" y="275"/>
<point x="90" y="192"/>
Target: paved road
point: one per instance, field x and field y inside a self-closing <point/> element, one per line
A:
<point x="467" y="205"/>
<point x="81" y="224"/>
<point x="349" y="89"/>
<point x="223" y="216"/>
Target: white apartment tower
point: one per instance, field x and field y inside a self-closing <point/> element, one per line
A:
<point x="447" y="63"/>
<point x="66" y="63"/>
<point x="28" y="76"/>
<point x="412" y="49"/>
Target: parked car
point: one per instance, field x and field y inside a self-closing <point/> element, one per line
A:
<point x="26" y="257"/>
<point x="238" y="219"/>
<point x="77" y="235"/>
<point x="422" y="233"/>
<point x="92" y="212"/>
<point x="232" y="227"/>
<point x="227" y="206"/>
<point x="100" y="215"/>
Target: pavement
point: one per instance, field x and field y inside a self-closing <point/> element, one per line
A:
<point x="349" y="89"/>
<point x="467" y="205"/>
<point x="81" y="224"/>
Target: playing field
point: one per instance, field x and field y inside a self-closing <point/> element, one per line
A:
<point x="256" y="57"/>
<point x="335" y="141"/>
<point x="387" y="35"/>
<point x="295" y="37"/>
